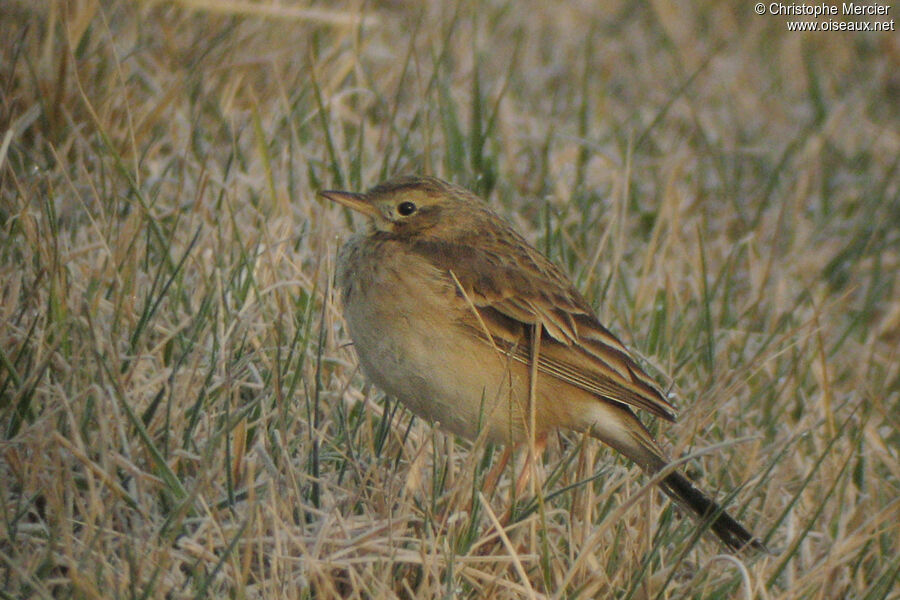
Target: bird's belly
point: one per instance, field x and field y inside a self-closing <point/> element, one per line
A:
<point x="414" y="352"/>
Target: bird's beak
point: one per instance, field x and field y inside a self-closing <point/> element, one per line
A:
<point x="357" y="202"/>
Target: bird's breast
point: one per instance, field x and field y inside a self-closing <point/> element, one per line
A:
<point x="403" y="315"/>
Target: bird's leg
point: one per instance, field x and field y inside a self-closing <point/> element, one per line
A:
<point x="531" y="457"/>
<point x="525" y="475"/>
<point x="531" y="462"/>
<point x="490" y="482"/>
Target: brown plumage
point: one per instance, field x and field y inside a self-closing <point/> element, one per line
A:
<point x="443" y="298"/>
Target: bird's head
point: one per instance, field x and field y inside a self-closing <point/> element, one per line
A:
<point x="414" y="206"/>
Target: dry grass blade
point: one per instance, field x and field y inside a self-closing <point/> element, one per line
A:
<point x="180" y="408"/>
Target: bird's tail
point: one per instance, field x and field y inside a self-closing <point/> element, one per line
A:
<point x="733" y="534"/>
<point x="633" y="440"/>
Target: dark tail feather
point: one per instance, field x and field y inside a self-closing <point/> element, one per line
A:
<point x="629" y="436"/>
<point x="732" y="533"/>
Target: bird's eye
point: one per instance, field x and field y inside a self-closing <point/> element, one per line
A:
<point x="406" y="208"/>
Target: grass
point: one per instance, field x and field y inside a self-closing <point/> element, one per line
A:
<point x="181" y="413"/>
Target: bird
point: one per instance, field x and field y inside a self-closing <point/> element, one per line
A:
<point x="456" y="315"/>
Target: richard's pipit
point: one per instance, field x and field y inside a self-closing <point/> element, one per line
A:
<point x="456" y="315"/>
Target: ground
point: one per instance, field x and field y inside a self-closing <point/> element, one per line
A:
<point x="181" y="410"/>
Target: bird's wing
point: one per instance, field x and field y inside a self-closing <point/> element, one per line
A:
<point x="513" y="287"/>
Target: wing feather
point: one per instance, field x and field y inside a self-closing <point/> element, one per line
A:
<point x="513" y="287"/>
